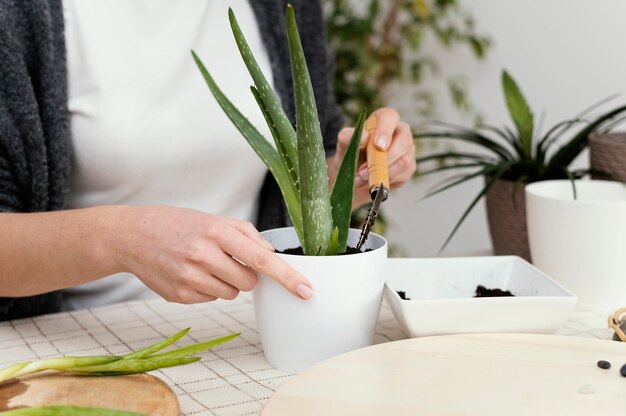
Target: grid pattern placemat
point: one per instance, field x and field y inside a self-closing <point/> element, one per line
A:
<point x="231" y="379"/>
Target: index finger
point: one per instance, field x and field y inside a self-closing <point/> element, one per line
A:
<point x="388" y="120"/>
<point x="267" y="262"/>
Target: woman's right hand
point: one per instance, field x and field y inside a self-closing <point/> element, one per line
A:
<point x="188" y="256"/>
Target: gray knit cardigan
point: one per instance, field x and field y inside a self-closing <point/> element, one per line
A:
<point x="35" y="143"/>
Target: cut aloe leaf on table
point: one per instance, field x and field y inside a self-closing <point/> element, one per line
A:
<point x="138" y="361"/>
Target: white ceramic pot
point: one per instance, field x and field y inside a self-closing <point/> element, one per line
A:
<point x="581" y="243"/>
<point x="340" y="316"/>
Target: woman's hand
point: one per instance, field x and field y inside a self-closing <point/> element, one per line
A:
<point x="188" y="256"/>
<point x="392" y="135"/>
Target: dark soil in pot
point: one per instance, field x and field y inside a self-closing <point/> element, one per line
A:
<point x="297" y="251"/>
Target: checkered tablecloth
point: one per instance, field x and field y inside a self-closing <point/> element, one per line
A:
<point x="232" y="379"/>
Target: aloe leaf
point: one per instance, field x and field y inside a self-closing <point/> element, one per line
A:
<point x="279" y="144"/>
<point x="196" y="348"/>
<point x="317" y="220"/>
<point x="343" y="190"/>
<point x="133" y="365"/>
<point x="62" y="363"/>
<point x="8" y="372"/>
<point x="519" y="111"/>
<point x="333" y="243"/>
<point x="280" y="121"/>
<point x="156" y="347"/>
<point x="68" y="411"/>
<point x="261" y="146"/>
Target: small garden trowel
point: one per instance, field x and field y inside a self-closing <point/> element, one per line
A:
<point x="378" y="179"/>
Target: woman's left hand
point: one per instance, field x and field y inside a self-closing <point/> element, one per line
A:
<point x="392" y="135"/>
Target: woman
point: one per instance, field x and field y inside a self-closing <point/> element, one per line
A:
<point x="120" y="177"/>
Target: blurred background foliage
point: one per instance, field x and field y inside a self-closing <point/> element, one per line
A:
<point x="379" y="45"/>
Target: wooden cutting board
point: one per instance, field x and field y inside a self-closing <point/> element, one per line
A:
<point x="138" y="392"/>
<point x="479" y="375"/>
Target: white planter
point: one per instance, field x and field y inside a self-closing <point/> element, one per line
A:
<point x="339" y="317"/>
<point x="581" y="243"/>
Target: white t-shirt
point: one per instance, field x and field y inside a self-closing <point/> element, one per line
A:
<point x="145" y="127"/>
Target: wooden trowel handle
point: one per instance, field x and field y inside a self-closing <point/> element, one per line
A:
<point x="376" y="160"/>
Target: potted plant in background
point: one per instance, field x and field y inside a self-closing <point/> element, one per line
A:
<point x="343" y="313"/>
<point x="512" y="159"/>
<point x="607" y="154"/>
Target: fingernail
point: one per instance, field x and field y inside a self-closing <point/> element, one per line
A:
<point x="358" y="181"/>
<point x="304" y="291"/>
<point x="382" y="141"/>
<point x="267" y="244"/>
<point x="363" y="174"/>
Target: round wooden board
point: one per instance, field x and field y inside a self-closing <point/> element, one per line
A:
<point x="498" y="374"/>
<point x="138" y="392"/>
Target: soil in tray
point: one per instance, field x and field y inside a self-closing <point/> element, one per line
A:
<point x="481" y="292"/>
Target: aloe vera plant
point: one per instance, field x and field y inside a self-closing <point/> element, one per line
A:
<point x="298" y="163"/>
<point x="522" y="155"/>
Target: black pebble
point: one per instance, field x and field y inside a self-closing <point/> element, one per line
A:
<point x="622" y="370"/>
<point x="605" y="365"/>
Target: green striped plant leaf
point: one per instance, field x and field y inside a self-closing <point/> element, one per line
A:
<point x="277" y="115"/>
<point x="314" y="195"/>
<point x="343" y="190"/>
<point x="261" y="146"/>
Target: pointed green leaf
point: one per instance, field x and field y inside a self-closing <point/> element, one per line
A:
<point x="448" y="167"/>
<point x="568" y="152"/>
<point x="492" y="180"/>
<point x="333" y="243"/>
<point x="442" y="157"/>
<point x="62" y="363"/>
<point x="519" y="111"/>
<point x="343" y="190"/>
<point x="317" y="218"/>
<point x="261" y="146"/>
<point x="279" y="144"/>
<point x="196" y="348"/>
<point x="279" y="119"/>
<point x="134" y="365"/>
<point x="470" y="136"/>
<point x="453" y="181"/>
<point x="156" y="347"/>
<point x="8" y="372"/>
<point x="61" y="410"/>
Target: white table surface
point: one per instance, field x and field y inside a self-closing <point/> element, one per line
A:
<point x="232" y="379"/>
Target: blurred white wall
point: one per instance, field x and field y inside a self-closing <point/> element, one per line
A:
<point x="564" y="54"/>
